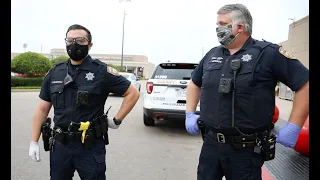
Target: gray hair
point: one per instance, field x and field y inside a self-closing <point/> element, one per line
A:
<point x="239" y="15"/>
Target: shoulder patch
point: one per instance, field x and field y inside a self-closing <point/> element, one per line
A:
<point x="112" y="71"/>
<point x="286" y="53"/>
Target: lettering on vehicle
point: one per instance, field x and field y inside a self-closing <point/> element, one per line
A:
<point x="174" y="104"/>
<point x="165" y="81"/>
<point x="161" y="77"/>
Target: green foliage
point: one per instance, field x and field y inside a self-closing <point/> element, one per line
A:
<point x="58" y="60"/>
<point x="30" y="63"/>
<point x="116" y="67"/>
<point x="20" y="81"/>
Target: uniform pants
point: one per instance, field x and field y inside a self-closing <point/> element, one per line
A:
<point x="217" y="160"/>
<point x="89" y="163"/>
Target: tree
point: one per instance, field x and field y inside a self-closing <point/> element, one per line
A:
<point x="59" y="59"/>
<point x="115" y="67"/>
<point x="30" y="63"/>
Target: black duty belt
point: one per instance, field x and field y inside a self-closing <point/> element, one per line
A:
<point x="66" y="137"/>
<point x="240" y="141"/>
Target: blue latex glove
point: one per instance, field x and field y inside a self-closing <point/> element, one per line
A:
<point x="288" y="135"/>
<point x="191" y="123"/>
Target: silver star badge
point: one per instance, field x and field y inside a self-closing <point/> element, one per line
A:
<point x="89" y="76"/>
<point x="246" y="58"/>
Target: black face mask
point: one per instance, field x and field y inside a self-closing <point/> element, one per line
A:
<point x="77" y="52"/>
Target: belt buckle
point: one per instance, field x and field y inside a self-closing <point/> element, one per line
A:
<point x="221" y="138"/>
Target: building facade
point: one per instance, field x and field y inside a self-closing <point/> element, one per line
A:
<point x="137" y="64"/>
<point x="297" y="45"/>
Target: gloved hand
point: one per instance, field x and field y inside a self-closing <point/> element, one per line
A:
<point x="111" y="123"/>
<point x="34" y="151"/>
<point x="288" y="135"/>
<point x="191" y="123"/>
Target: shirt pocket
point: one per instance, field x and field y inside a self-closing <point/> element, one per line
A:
<point x="211" y="74"/>
<point x="57" y="96"/>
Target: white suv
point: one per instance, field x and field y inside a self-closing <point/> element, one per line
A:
<point x="165" y="96"/>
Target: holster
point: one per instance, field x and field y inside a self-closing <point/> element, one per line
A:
<point x="104" y="129"/>
<point x="267" y="143"/>
<point x="46" y="134"/>
<point x="89" y="140"/>
<point x="201" y="127"/>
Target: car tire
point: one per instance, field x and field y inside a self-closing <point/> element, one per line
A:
<point x="148" y="121"/>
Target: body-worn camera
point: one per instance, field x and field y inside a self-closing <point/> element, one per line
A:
<point x="82" y="97"/>
<point x="225" y="85"/>
<point x="267" y="143"/>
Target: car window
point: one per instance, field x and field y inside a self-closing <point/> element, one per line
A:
<point x="133" y="77"/>
<point x="174" y="71"/>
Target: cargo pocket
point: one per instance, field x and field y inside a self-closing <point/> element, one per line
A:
<point x="101" y="165"/>
<point x="57" y="96"/>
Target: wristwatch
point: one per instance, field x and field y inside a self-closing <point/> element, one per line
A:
<point x="117" y="121"/>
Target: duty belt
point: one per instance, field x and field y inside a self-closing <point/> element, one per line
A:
<point x="240" y="141"/>
<point x="95" y="129"/>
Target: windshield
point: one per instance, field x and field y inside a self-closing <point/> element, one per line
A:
<point x="174" y="71"/>
<point x="125" y="75"/>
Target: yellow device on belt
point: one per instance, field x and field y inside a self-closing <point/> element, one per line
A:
<point x="84" y="127"/>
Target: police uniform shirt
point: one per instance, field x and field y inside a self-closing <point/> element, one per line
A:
<point x="92" y="77"/>
<point x="262" y="65"/>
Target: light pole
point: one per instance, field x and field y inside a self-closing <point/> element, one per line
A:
<point x="123" y="21"/>
<point x="124" y="17"/>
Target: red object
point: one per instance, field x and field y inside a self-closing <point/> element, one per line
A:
<point x="149" y="86"/>
<point x="302" y="145"/>
<point x="276" y="114"/>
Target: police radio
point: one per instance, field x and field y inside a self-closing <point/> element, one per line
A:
<point x="235" y="66"/>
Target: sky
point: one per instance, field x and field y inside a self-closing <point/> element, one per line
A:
<point x="175" y="30"/>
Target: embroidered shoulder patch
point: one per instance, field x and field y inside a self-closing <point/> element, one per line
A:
<point x="286" y="53"/>
<point x="112" y="71"/>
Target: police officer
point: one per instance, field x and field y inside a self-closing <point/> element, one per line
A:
<point x="77" y="89"/>
<point x="235" y="83"/>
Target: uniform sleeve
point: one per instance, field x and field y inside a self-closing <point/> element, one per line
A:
<point x="197" y="74"/>
<point x="289" y="70"/>
<point x="116" y="83"/>
<point x="45" y="93"/>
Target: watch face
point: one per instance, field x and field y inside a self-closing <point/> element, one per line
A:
<point x="116" y="121"/>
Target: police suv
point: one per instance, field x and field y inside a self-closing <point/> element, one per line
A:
<point x="165" y="96"/>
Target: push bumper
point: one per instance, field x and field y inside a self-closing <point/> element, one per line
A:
<point x="166" y="113"/>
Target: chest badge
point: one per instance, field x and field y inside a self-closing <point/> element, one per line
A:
<point x="246" y="57"/>
<point x="89" y="76"/>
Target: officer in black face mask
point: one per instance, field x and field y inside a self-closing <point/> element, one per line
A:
<point x="77" y="89"/>
<point x="235" y="84"/>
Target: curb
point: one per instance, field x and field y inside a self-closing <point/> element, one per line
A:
<point x="25" y="90"/>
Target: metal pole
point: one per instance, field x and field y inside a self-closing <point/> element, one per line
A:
<point x="124" y="15"/>
<point x="202" y="51"/>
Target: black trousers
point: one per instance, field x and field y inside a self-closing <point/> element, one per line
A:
<point x="89" y="163"/>
<point x="217" y="160"/>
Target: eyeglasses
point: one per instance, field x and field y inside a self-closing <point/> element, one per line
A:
<point x="78" y="40"/>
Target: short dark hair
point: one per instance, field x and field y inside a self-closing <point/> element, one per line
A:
<point x="78" y="26"/>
